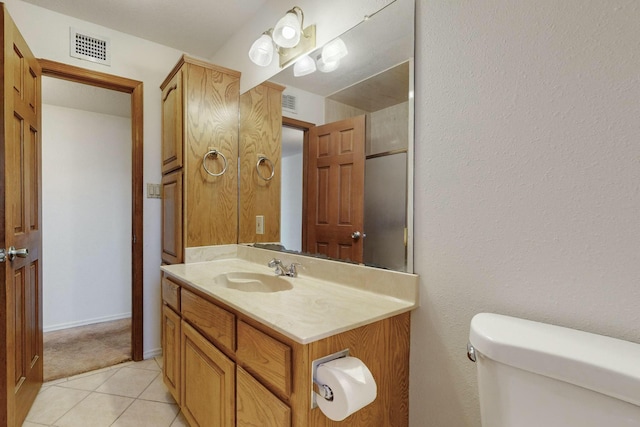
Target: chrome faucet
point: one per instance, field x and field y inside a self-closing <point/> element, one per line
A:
<point x="282" y="270"/>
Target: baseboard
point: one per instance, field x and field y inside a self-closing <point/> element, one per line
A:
<point x="85" y="322"/>
<point x="152" y="353"/>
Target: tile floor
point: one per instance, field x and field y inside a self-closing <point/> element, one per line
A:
<point x="129" y="394"/>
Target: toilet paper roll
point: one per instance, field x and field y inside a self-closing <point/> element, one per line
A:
<point x="352" y="384"/>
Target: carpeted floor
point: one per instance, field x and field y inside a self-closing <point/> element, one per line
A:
<point x="76" y="350"/>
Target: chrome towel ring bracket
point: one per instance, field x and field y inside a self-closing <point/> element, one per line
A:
<point x="269" y="163"/>
<point x="214" y="153"/>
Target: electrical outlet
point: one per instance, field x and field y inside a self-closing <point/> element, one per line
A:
<point x="259" y="224"/>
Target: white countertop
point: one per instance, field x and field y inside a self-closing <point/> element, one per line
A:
<point x="313" y="309"/>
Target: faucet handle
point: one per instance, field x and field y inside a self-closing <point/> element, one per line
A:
<point x="293" y="269"/>
<point x="274" y="262"/>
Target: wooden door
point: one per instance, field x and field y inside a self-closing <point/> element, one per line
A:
<point x="208" y="382"/>
<point x="20" y="221"/>
<point x="335" y="192"/>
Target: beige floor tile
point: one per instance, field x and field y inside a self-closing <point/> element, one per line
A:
<point x="88" y="382"/>
<point x="53" y="403"/>
<point x="128" y="382"/>
<point x="142" y="413"/>
<point x="29" y="424"/>
<point x="180" y="421"/>
<point x="97" y="410"/>
<point x="157" y="392"/>
<point x="158" y="360"/>
<point x="149" y="364"/>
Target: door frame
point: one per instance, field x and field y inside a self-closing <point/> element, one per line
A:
<point x="135" y="88"/>
<point x="304" y="127"/>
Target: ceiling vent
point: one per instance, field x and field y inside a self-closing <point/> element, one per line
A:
<point x="290" y="103"/>
<point x="90" y="47"/>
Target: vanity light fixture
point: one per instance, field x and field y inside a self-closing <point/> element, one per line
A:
<point x="335" y="50"/>
<point x="289" y="38"/>
<point x="303" y="66"/>
<point x="327" y="61"/>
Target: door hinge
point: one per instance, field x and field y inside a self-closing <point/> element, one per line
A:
<point x="135" y="240"/>
<point x="3" y="255"/>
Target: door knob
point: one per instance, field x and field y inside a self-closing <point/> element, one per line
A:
<point x="356" y="235"/>
<point x="12" y="253"/>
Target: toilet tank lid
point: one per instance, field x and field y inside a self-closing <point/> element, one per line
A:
<point x="603" y="364"/>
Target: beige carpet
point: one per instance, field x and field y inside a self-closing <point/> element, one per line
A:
<point x="76" y="350"/>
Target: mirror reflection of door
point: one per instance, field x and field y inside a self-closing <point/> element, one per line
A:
<point x="335" y="193"/>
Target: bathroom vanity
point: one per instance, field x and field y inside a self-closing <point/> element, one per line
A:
<point x="239" y="342"/>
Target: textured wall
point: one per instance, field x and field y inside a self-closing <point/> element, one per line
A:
<point x="527" y="179"/>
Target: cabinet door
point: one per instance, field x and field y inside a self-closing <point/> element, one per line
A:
<point x="171" y="351"/>
<point x="172" y="124"/>
<point x="172" y="230"/>
<point x="208" y="382"/>
<point x="257" y="406"/>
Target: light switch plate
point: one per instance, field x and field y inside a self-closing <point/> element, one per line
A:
<point x="259" y="224"/>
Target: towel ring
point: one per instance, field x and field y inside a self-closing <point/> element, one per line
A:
<point x="269" y="163"/>
<point x="214" y="154"/>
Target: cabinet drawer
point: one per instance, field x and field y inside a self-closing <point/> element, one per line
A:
<point x="214" y="322"/>
<point x="265" y="357"/>
<point x="257" y="406"/>
<point x="171" y="293"/>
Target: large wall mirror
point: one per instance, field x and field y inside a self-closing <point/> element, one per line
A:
<point x="368" y="103"/>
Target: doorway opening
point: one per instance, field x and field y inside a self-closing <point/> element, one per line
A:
<point x="134" y="89"/>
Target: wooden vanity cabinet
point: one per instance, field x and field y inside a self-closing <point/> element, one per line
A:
<point x="236" y="371"/>
<point x="208" y="382"/>
<point x="200" y="104"/>
<point x="171" y="337"/>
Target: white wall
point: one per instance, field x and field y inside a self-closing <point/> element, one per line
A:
<point x="527" y="179"/>
<point x="310" y="106"/>
<point x="86" y="206"/>
<point x="47" y="33"/>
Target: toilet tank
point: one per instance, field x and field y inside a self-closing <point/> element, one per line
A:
<point x="535" y="374"/>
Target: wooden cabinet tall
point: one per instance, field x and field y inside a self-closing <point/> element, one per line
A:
<point x="200" y="104"/>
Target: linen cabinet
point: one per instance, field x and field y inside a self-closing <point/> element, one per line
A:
<point x="200" y="104"/>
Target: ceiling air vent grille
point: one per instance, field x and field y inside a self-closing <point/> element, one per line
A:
<point x="90" y="47"/>
<point x="290" y="103"/>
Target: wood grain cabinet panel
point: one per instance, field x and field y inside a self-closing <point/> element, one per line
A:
<point x="171" y="293"/>
<point x="257" y="406"/>
<point x="216" y="323"/>
<point x="260" y="135"/>
<point x="265" y="357"/>
<point x="171" y="351"/>
<point x="200" y="104"/>
<point x="172" y="124"/>
<point x="208" y="382"/>
<point x="172" y="227"/>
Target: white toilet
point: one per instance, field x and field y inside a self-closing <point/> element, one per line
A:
<point x="532" y="374"/>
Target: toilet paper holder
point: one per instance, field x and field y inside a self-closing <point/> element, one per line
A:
<point x="323" y="390"/>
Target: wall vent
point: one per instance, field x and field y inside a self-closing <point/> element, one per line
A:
<point x="290" y="103"/>
<point x="90" y="47"/>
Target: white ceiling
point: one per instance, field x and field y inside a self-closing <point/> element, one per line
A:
<point x="199" y="27"/>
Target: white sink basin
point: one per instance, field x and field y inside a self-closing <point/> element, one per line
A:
<point x="252" y="282"/>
